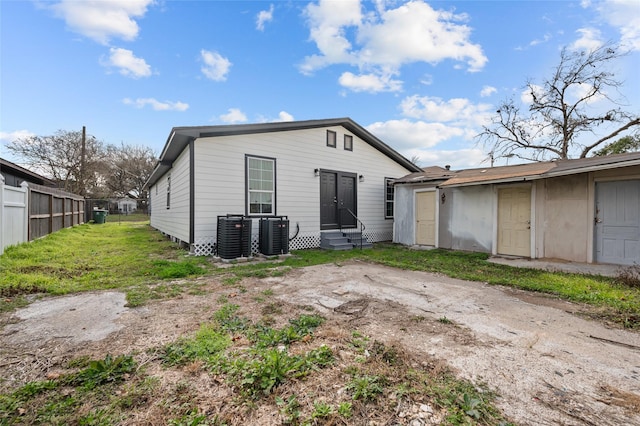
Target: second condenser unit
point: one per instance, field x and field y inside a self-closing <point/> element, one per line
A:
<point x="274" y="235"/>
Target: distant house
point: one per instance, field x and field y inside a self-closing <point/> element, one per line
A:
<point x="584" y="210"/>
<point x="321" y="174"/>
<point x="126" y="205"/>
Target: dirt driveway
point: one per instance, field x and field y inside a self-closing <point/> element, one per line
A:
<point x="549" y="365"/>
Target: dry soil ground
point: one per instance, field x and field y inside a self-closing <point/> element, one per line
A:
<point x="549" y="364"/>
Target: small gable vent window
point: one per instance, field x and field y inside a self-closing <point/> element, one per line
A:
<point x="331" y="138"/>
<point x="261" y="186"/>
<point x="348" y="143"/>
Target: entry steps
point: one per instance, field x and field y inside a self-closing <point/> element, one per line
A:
<point x="337" y="240"/>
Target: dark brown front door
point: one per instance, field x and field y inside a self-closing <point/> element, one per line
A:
<point x="337" y="197"/>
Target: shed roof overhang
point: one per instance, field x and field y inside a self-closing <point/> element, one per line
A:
<point x="543" y="170"/>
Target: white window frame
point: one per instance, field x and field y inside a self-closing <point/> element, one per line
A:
<point x="387" y="201"/>
<point x="168" y="191"/>
<point x="249" y="181"/>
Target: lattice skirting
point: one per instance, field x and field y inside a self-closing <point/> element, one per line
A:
<point x="205" y="246"/>
<point x="375" y="236"/>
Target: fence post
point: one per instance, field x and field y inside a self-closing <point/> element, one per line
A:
<point x="27" y="222"/>
<point x="2" y="236"/>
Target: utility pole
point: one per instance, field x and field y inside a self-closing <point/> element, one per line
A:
<point x="83" y="153"/>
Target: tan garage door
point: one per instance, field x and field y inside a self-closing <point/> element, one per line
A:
<point x="426" y="218"/>
<point x="514" y="221"/>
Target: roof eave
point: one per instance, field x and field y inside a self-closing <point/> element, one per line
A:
<point x="494" y="181"/>
<point x="587" y="169"/>
<point x="179" y="138"/>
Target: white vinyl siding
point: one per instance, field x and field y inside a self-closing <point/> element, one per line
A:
<point x="173" y="218"/>
<point x="220" y="181"/>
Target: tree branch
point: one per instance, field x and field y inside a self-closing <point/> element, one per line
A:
<point x="630" y="124"/>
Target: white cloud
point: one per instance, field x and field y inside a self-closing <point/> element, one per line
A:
<point x="284" y="116"/>
<point x="432" y="121"/>
<point x="589" y="40"/>
<point x="369" y="83"/>
<point x="216" y="67"/>
<point x="102" y="20"/>
<point x="328" y="21"/>
<point x="487" y="91"/>
<point x="156" y="105"/>
<point x="585" y="91"/>
<point x="460" y="112"/>
<point x="129" y="65"/>
<point x="545" y="38"/>
<point x="573" y="93"/>
<point x="385" y="40"/>
<point x="263" y="17"/>
<point x="234" y="116"/>
<point x="625" y="16"/>
<point x="427" y="80"/>
<point x="538" y="41"/>
<point x="406" y="134"/>
<point x="415" y="32"/>
<point x="15" y="135"/>
<point x="527" y="98"/>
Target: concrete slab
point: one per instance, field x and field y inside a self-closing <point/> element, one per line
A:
<point x="559" y="265"/>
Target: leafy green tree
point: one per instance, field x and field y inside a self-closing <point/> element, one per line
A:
<point x="621" y="146"/>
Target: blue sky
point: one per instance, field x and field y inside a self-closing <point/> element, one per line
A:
<point x="422" y="76"/>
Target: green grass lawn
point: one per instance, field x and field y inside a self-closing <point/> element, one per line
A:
<point x="130" y="255"/>
<point x="126" y="255"/>
<point x="246" y="355"/>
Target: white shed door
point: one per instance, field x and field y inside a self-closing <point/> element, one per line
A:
<point x="617" y="222"/>
<point x="514" y="221"/>
<point x="426" y="218"/>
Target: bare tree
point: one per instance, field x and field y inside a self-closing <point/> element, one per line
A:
<point x="107" y="171"/>
<point x="561" y="110"/>
<point x="130" y="167"/>
<point x="59" y="157"/>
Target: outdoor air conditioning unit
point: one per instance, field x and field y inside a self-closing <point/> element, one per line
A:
<point x="274" y="235"/>
<point x="234" y="236"/>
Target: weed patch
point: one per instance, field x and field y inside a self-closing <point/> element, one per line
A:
<point x="60" y="401"/>
<point x="629" y="276"/>
<point x="256" y="370"/>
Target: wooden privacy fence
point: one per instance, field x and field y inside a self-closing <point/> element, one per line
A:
<point x="33" y="211"/>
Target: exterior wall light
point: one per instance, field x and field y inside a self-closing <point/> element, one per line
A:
<point x="316" y="172"/>
<point x="361" y="178"/>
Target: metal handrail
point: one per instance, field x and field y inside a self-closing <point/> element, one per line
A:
<point x="358" y="221"/>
